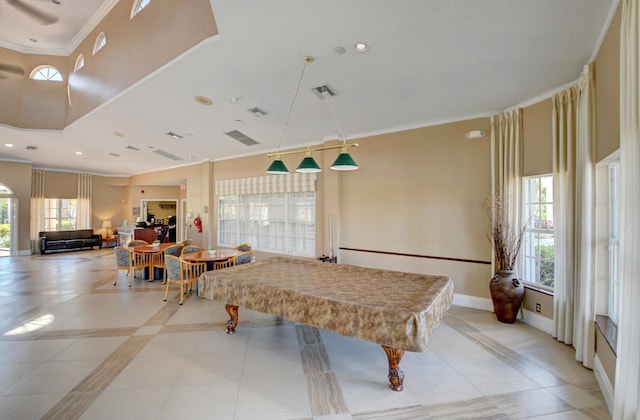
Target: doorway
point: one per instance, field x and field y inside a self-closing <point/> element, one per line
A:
<point x="161" y="213"/>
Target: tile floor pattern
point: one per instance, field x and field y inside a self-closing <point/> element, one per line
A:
<point x="75" y="346"/>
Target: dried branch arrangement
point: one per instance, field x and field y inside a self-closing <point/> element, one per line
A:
<point x="506" y="242"/>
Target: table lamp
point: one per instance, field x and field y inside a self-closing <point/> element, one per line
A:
<point x="107" y="225"/>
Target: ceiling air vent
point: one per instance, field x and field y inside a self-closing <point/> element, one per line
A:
<point x="32" y="148"/>
<point x="135" y="149"/>
<point x="257" y="112"/>
<point x="167" y="154"/>
<point x="323" y="90"/>
<point x="114" y="154"/>
<point x="241" y="137"/>
<point x="174" y="136"/>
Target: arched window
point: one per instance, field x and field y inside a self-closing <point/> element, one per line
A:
<point x="46" y="72"/>
<point x="138" y="5"/>
<point x="79" y="63"/>
<point x="4" y="190"/>
<point x="101" y="41"/>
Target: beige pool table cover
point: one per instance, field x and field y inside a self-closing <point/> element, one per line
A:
<point x="390" y="308"/>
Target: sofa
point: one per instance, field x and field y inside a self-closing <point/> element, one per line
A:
<point x="66" y="240"/>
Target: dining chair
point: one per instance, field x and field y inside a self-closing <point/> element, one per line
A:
<point x="244" y="257"/>
<point x="158" y="259"/>
<point x="244" y="248"/>
<point x="139" y="261"/>
<point x="191" y="248"/>
<point x="137" y="242"/>
<point x="123" y="262"/>
<point x="219" y="265"/>
<point x="187" y="242"/>
<point x="183" y="273"/>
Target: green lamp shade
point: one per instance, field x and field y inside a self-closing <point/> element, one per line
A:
<point x="308" y="166"/>
<point x="277" y="167"/>
<point x="344" y="162"/>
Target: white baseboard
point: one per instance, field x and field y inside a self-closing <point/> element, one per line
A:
<point x="474" y="302"/>
<point x="603" y="381"/>
<point x="23" y="252"/>
<point x="538" y="321"/>
<point x="531" y="318"/>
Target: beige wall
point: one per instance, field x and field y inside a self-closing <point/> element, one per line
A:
<point x="420" y="192"/>
<point x="135" y="48"/>
<point x="608" y="91"/>
<point x="537" y="138"/>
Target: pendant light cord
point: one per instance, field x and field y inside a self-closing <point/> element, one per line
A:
<point x="307" y="60"/>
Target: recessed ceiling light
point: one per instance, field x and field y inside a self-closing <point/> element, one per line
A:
<point x="339" y="50"/>
<point x="203" y="100"/>
<point x="9" y="145"/>
<point x="78" y="153"/>
<point x="361" y="47"/>
<point x="55" y="1"/>
<point x="118" y="134"/>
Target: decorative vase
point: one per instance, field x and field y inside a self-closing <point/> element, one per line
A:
<point x="507" y="293"/>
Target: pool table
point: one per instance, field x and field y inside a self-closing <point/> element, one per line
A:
<point x="394" y="309"/>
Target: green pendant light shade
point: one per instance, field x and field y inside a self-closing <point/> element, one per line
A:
<point x="277" y="167"/>
<point x="344" y="162"/>
<point x="308" y="165"/>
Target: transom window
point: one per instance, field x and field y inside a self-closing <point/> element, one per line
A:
<point x="4" y="190"/>
<point x="60" y="214"/>
<point x="101" y="41"/>
<point x="281" y="223"/>
<point x="79" y="62"/>
<point x="138" y="5"/>
<point x="46" y="72"/>
<point x="538" y="248"/>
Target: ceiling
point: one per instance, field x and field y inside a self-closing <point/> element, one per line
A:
<point x="428" y="62"/>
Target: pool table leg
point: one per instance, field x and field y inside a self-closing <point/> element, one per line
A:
<point x="396" y="375"/>
<point x="232" y="323"/>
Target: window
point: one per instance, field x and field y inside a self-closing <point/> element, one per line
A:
<point x="60" y="214"/>
<point x="46" y="73"/>
<point x="138" y="5"/>
<point x="538" y="254"/>
<point x="79" y="63"/>
<point x="614" y="241"/>
<point x="101" y="41"/>
<point x="4" y="190"/>
<point x="282" y="223"/>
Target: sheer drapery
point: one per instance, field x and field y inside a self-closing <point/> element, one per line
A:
<point x="627" y="387"/>
<point x="573" y="132"/>
<point x="37" y="208"/>
<point x="506" y="164"/>
<point x="83" y="217"/>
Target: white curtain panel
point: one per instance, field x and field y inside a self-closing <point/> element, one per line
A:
<point x="506" y="163"/>
<point x="627" y="387"/>
<point x="573" y="132"/>
<point x="37" y="208"/>
<point x="85" y="188"/>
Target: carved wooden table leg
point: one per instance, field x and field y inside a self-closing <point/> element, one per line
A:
<point x="232" y="323"/>
<point x="396" y="375"/>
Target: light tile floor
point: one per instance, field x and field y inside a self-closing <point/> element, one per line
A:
<point x="73" y="345"/>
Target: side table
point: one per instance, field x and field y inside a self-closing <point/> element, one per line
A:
<point x="110" y="242"/>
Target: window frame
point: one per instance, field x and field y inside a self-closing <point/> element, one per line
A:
<point x="270" y="222"/>
<point x="57" y="214"/>
<point x="79" y="63"/>
<point x="101" y="41"/>
<point x="139" y="6"/>
<point x="536" y="231"/>
<point x="613" y="272"/>
<point x="54" y="76"/>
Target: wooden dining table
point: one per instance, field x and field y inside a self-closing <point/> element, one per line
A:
<point x="210" y="256"/>
<point x="151" y="249"/>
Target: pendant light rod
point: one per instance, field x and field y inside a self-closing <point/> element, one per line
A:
<point x="313" y="149"/>
<point x="307" y="59"/>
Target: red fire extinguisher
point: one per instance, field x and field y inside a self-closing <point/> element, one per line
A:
<point x="198" y="223"/>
